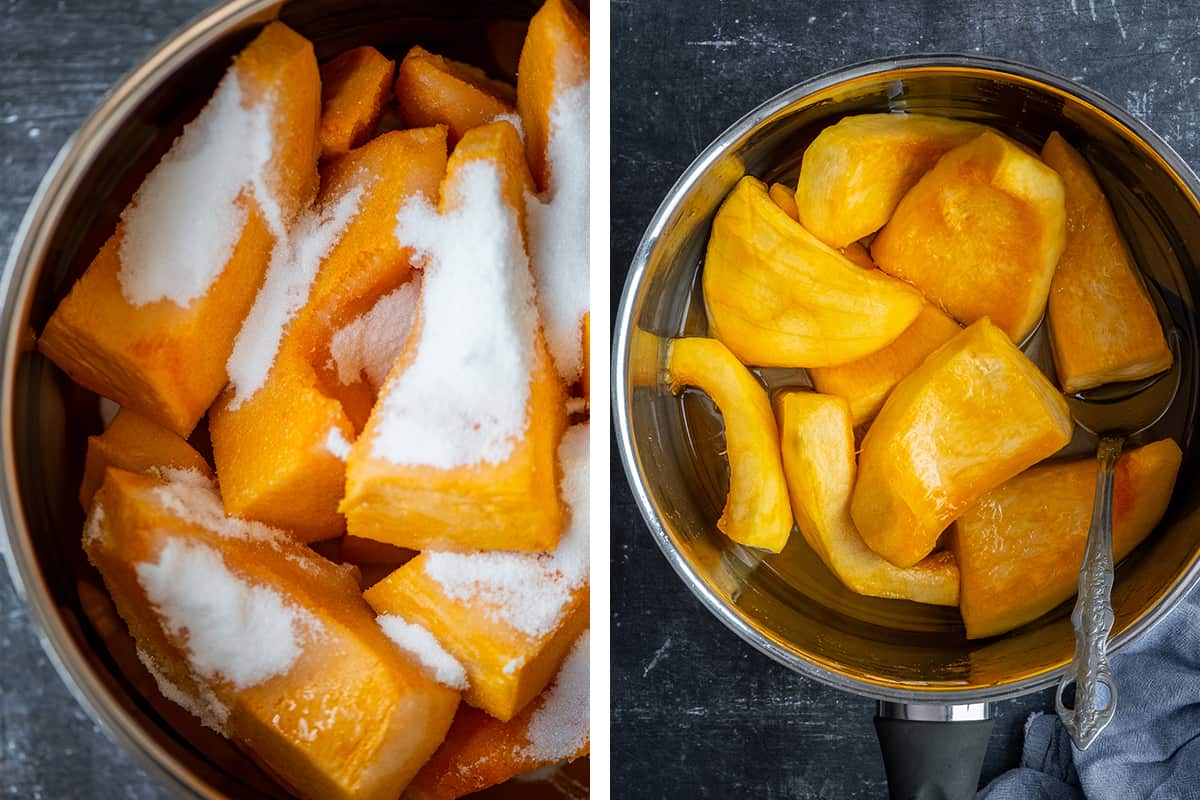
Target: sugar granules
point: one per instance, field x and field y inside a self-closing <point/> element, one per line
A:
<point x="337" y="444"/>
<point x="559" y="727"/>
<point x="185" y="220"/>
<point x="423" y="646"/>
<point x="558" y="231"/>
<point x="529" y="592"/>
<point x="463" y="399"/>
<point x="370" y="343"/>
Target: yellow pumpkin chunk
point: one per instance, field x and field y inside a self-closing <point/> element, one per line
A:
<point x="866" y="383"/>
<point x="980" y="234"/>
<point x="432" y="90"/>
<point x="785" y="198"/>
<point x="481" y="751"/>
<point x="1020" y="546"/>
<point x="778" y="297"/>
<point x="1103" y="326"/>
<point x="136" y="444"/>
<point x="855" y="172"/>
<point x="354" y="87"/>
<point x="165" y="360"/>
<point x="818" y="462"/>
<point x="756" y="512"/>
<point x="315" y="691"/>
<point x="467" y="487"/>
<point x="857" y="253"/>
<point x="974" y="414"/>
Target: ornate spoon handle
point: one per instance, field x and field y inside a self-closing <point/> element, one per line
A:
<point x="1093" y="615"/>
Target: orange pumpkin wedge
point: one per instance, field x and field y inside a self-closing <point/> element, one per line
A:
<point x="1020" y="546"/>
<point x="756" y="512"/>
<point x="1103" y="327"/>
<point x="974" y="414"/>
<point x="818" y="462"/>
<point x="354" y="88"/>
<point x="166" y="359"/>
<point x="432" y="90"/>
<point x="459" y="451"/>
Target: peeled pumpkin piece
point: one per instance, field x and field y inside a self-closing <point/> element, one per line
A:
<point x="264" y="640"/>
<point x="1020" y="546"/>
<point x="163" y="359"/>
<point x="818" y="462"/>
<point x="354" y="88"/>
<point x="278" y="451"/>
<point x="866" y="383"/>
<point x="1103" y="327"/>
<point x="419" y="476"/>
<point x="778" y="297"/>
<point x="136" y="444"/>
<point x="481" y="751"/>
<point x="433" y="90"/>
<point x="855" y="172"/>
<point x="756" y="512"/>
<point x="974" y="414"/>
<point x="980" y="234"/>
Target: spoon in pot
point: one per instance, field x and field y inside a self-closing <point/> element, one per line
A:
<point x="1114" y="413"/>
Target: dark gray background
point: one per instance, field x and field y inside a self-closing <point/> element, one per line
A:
<point x="696" y="713"/>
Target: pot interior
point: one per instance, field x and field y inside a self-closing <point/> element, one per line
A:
<point x="790" y="605"/>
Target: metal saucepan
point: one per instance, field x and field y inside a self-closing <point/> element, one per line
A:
<point x="915" y="660"/>
<point x="46" y="418"/>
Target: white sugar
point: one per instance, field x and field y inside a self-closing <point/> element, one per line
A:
<point x="95" y="521"/>
<point x="371" y="342"/>
<point x="185" y="220"/>
<point x="231" y="629"/>
<point x="207" y="707"/>
<point x="193" y="497"/>
<point x="423" y="646"/>
<point x="558" y="232"/>
<point x="336" y="443"/>
<point x="463" y="399"/>
<point x="514" y="119"/>
<point x="559" y="727"/>
<point x="295" y="260"/>
<point x="528" y="592"/>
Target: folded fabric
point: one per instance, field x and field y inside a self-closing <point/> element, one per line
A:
<point x="1150" y="750"/>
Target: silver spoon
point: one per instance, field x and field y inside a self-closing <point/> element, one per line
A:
<point x="1114" y="413"/>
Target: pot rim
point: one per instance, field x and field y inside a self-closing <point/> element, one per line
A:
<point x="739" y="622"/>
<point x="21" y="272"/>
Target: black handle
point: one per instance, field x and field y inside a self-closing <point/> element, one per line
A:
<point x="932" y="760"/>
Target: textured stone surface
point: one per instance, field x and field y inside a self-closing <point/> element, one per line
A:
<point x="697" y="713"/>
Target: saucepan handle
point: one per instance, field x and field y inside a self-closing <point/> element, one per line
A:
<point x="933" y="752"/>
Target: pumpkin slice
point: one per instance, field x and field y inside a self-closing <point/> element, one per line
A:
<point x="481" y="751"/>
<point x="858" y="254"/>
<point x="281" y="450"/>
<point x="855" y="172"/>
<point x="756" y="512"/>
<point x="974" y="414"/>
<point x="818" y="463"/>
<point x="354" y="88"/>
<point x="432" y="90"/>
<point x="980" y="234"/>
<point x="1103" y="327"/>
<point x="778" y="297"/>
<point x="136" y="444"/>
<point x="866" y="383"/>
<point x="509" y="618"/>
<point x="264" y="640"/>
<point x="459" y="452"/>
<point x="1020" y="546"/>
<point x="785" y="198"/>
<point x="152" y="320"/>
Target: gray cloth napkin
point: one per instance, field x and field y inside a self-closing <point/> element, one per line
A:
<point x="1151" y="749"/>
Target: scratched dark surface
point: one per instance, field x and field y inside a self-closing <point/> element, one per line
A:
<point x="696" y="713"/>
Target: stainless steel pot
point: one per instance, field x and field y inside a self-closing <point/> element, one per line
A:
<point x="913" y="659"/>
<point x="45" y="419"/>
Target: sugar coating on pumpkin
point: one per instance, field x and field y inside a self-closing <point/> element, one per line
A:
<point x="418" y="642"/>
<point x="234" y="630"/>
<point x="528" y="591"/>
<point x="463" y="398"/>
<point x="370" y="343"/>
<point x="182" y="226"/>
<point x="193" y="497"/>
<point x="207" y="707"/>
<point x="293" y="267"/>
<point x="558" y="231"/>
<point x="558" y="729"/>
<point x="337" y="444"/>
